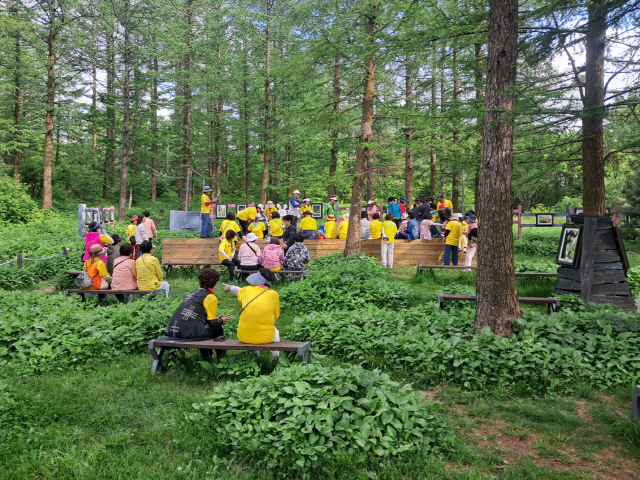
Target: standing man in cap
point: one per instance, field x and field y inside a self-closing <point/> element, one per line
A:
<point x="294" y="207"/>
<point x="206" y="231"/>
<point x="332" y="208"/>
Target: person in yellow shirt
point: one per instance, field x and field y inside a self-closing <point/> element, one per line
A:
<point x="453" y="232"/>
<point x="229" y="224"/>
<point x="149" y="272"/>
<point x="306" y="206"/>
<point x="442" y="203"/>
<point x="376" y="226"/>
<point x="97" y="270"/>
<point x="131" y="229"/>
<point x="245" y="217"/>
<point x="308" y="226"/>
<point x="269" y="209"/>
<point x="388" y="231"/>
<point x="260" y="309"/>
<point x="227" y="253"/>
<point x="331" y="227"/>
<point x="275" y="226"/>
<point x="206" y="230"/>
<point x="257" y="227"/>
<point x="343" y="227"/>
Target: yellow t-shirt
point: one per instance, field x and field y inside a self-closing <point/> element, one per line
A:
<point x="455" y="231"/>
<point x="376" y="229"/>
<point x="390" y="230"/>
<point x="228" y="248"/>
<point x="258" y="229"/>
<point x="344" y="226"/>
<point x="447" y="203"/>
<point x="257" y="321"/>
<point x="131" y="232"/>
<point x="247" y="214"/>
<point x="228" y="225"/>
<point x="331" y="229"/>
<point x="276" y="227"/>
<point x="308" y="223"/>
<point x="268" y="211"/>
<point x="305" y="208"/>
<point x="149" y="272"/>
<point x="205" y="208"/>
<point x="210" y="304"/>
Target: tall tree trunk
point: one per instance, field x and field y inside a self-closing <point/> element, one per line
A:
<point x="371" y="175"/>
<point x="594" y="200"/>
<point x="352" y="245"/>
<point x="479" y="100"/>
<point x="267" y="112"/>
<point x="408" y="131"/>
<point x="335" y="131"/>
<point x="455" y="180"/>
<point x="289" y="159"/>
<point x="496" y="282"/>
<point x="212" y="130"/>
<point x="276" y="157"/>
<point x="17" y="95"/>
<point x="186" y="107"/>
<point x="245" y="122"/>
<point x="94" y="106"/>
<point x="218" y="131"/>
<point x="47" y="199"/>
<point x="110" y="152"/>
<point x="57" y="156"/>
<point x="126" y="120"/>
<point x="154" y="129"/>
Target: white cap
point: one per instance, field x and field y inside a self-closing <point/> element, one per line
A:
<point x="252" y="237"/>
<point x="296" y="191"/>
<point x="333" y="198"/>
<point x="261" y="206"/>
<point x="306" y="200"/>
<point x="371" y="201"/>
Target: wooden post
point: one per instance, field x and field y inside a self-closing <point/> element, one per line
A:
<point x="518" y="211"/>
<point x="20" y="261"/>
<point x="65" y="251"/>
<point x="587" y="257"/>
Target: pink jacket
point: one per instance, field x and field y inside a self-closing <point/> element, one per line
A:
<point x="124" y="275"/>
<point x="91" y="239"/>
<point x="272" y="256"/>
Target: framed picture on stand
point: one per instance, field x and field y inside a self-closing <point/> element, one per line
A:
<point x="570" y="244"/>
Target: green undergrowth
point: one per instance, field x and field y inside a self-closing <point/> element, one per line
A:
<point x="547" y="353"/>
<point x="304" y="415"/>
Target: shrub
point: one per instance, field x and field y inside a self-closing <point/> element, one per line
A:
<point x="304" y="415"/>
<point x="538" y="246"/>
<point x="16" y="206"/>
<point x="633" y="277"/>
<point x="339" y="282"/>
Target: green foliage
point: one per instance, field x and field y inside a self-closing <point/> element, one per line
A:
<point x="304" y="415"/>
<point x="12" y="278"/>
<point x="633" y="277"/>
<point x="52" y="332"/>
<point x="535" y="245"/>
<point x="537" y="267"/>
<point x="547" y="353"/>
<point x="339" y="282"/>
<point x="231" y="367"/>
<point x="16" y="206"/>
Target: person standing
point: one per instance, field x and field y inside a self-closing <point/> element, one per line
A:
<point x="150" y="225"/>
<point x="245" y="217"/>
<point x="453" y="232"/>
<point x="294" y="207"/>
<point x="97" y="236"/>
<point x="472" y="247"/>
<point x="269" y="210"/>
<point x="388" y="231"/>
<point x="443" y="203"/>
<point x="332" y="208"/>
<point x="305" y="207"/>
<point x="206" y="230"/>
<point x="141" y="232"/>
<point x="229" y="224"/>
<point x="372" y="209"/>
<point x="394" y="209"/>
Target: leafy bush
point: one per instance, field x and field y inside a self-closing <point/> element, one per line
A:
<point x="52" y="332"/>
<point x="233" y="366"/>
<point x="304" y="415"/>
<point x="537" y="267"/>
<point x="339" y="282"/>
<point x="633" y="277"/>
<point x="548" y="352"/>
<point x="16" y="206"/>
<point x="12" y="278"/>
<point x="538" y="246"/>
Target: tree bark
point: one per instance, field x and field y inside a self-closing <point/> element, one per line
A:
<point x="455" y="179"/>
<point x="371" y="175"/>
<point x="267" y="112"/>
<point x="110" y="152"/>
<point x="186" y="107"/>
<point x="94" y="104"/>
<point x="126" y="120"/>
<point x="245" y="122"/>
<point x="154" y="129"/>
<point x="352" y="245"/>
<point x="335" y="132"/>
<point x="408" y="131"/>
<point x="47" y="199"/>
<point x="17" y="95"/>
<point x="496" y="284"/>
<point x="479" y="99"/>
<point x="594" y="199"/>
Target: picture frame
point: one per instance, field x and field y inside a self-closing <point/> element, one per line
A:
<point x="240" y="207"/>
<point x="579" y="211"/>
<point x="221" y="211"/>
<point x="570" y="245"/>
<point x="316" y="210"/>
<point x="544" y="219"/>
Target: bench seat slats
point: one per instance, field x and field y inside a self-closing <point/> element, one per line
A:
<point x="232" y="345"/>
<point x="96" y="292"/>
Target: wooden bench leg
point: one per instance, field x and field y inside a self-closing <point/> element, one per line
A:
<point x="157" y="358"/>
<point x="304" y="354"/>
<point x="441" y="300"/>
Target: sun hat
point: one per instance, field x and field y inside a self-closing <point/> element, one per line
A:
<point x="97" y="248"/>
<point x="270" y="204"/>
<point x="405" y="215"/>
<point x="306" y="199"/>
<point x="471" y="217"/>
<point x="296" y="191"/>
<point x="257" y="217"/>
<point x="345" y="216"/>
<point x="458" y="215"/>
<point x="260" y="206"/>
<point x="371" y="201"/>
<point x="252" y="237"/>
<point x="134" y="218"/>
<point x="403" y="199"/>
<point x="206" y="188"/>
<point x="257" y="280"/>
<point x="334" y="198"/>
<point x="331" y="217"/>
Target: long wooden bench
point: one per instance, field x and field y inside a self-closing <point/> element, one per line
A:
<point x="164" y="344"/>
<point x="73" y="273"/>
<point x="553" y="303"/>
<point x="285" y="273"/>
<point x="106" y="292"/>
<point x="474" y="267"/>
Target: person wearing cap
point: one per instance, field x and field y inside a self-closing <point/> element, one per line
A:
<point x="97" y="269"/>
<point x="257" y="227"/>
<point x="269" y="209"/>
<point x="294" y="207"/>
<point x="372" y="209"/>
<point x="150" y="225"/>
<point x="275" y="225"/>
<point x="125" y="276"/>
<point x="452" y="234"/>
<point x="297" y="255"/>
<point x="331" y="227"/>
<point x="149" y="271"/>
<point x="388" y="230"/>
<point x="249" y="253"/>
<point x="113" y="252"/>
<point x="260" y="309"/>
<point x="97" y="235"/>
<point x="332" y="208"/>
<point x="305" y="207"/>
<point x="229" y="224"/>
<point x="205" y="212"/>
<point x="343" y="227"/>
<point x="197" y="316"/>
<point x="309" y="226"/>
<point x="245" y="217"/>
<point x="141" y="231"/>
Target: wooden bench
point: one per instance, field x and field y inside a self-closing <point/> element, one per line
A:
<point x="553" y="303"/>
<point x="303" y="349"/>
<point x="73" y="273"/>
<point x="106" y="292"/>
<point x="459" y="267"/>
<point x="288" y="273"/>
